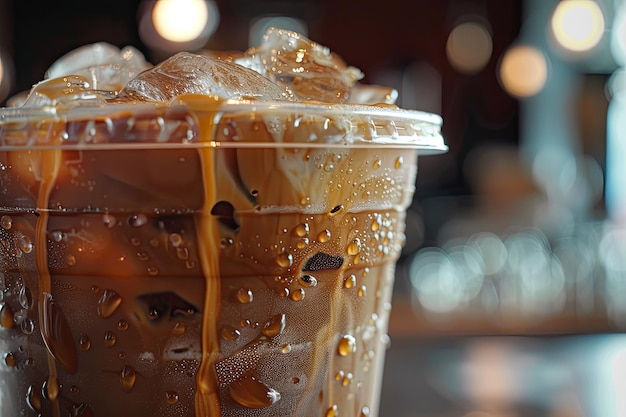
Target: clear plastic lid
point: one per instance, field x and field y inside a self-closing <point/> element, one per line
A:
<point x="204" y="121"/>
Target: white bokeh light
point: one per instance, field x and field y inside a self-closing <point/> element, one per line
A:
<point x="578" y="25"/>
<point x="180" y="20"/>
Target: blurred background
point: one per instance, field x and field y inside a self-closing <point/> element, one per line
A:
<point x="510" y="295"/>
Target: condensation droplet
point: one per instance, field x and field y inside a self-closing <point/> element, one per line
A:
<point x="70" y="260"/>
<point x="307" y="280"/>
<point x="251" y="393"/>
<point x="230" y="333"/>
<point x="52" y="388"/>
<point x="143" y="256"/>
<point x="284" y="260"/>
<point x="335" y="210"/>
<point x="323" y="236"/>
<point x="354" y="247"/>
<point x="9" y="359"/>
<point x="182" y="253"/>
<point x="171" y="397"/>
<point x="301" y="230"/>
<point x="286" y="348"/>
<point x="25" y="244"/>
<point x="6" y="222"/>
<point x="122" y="325"/>
<point x="244" y="295"/>
<point x="27" y="325"/>
<point x="135" y="241"/>
<point x="175" y="240"/>
<point x="108" y="303"/>
<point x="152" y="270"/>
<point x="57" y="334"/>
<point x="7" y="317"/>
<point x="297" y="295"/>
<point x="109" y="339"/>
<point x="339" y="375"/>
<point x="349" y="282"/>
<point x="332" y="411"/>
<point x="128" y="376"/>
<point x="284" y="292"/>
<point x="377" y="164"/>
<point x="347" y="345"/>
<point x="302" y="243"/>
<point x="362" y="291"/>
<point x="84" y="343"/>
<point x="274" y="326"/>
<point x="365" y="411"/>
<point x="56" y="235"/>
<point x="347" y="379"/>
<point x="137" y="220"/>
<point x="399" y="162"/>
<point x="25" y="297"/>
<point x="33" y="398"/>
<point x="109" y="220"/>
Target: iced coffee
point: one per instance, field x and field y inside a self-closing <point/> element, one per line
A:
<point x="211" y="236"/>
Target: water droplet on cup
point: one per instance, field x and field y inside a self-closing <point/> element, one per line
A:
<point x="27" y="325"/>
<point x="301" y="230"/>
<point x="297" y="295"/>
<point x="122" y="325"/>
<point x="9" y="359"/>
<point x="323" y="236"/>
<point x="307" y="280"/>
<point x="25" y="297"/>
<point x="399" y="162"/>
<point x="171" y="397"/>
<point x="108" y="303"/>
<point x="137" y="220"/>
<point x="251" y="393"/>
<point x="109" y="220"/>
<point x="347" y="345"/>
<point x="128" y="377"/>
<point x="274" y="326"/>
<point x="33" y="398"/>
<point x="109" y="339"/>
<point x="6" y="222"/>
<point x="350" y="281"/>
<point x="84" y="343"/>
<point x="332" y="411"/>
<point x="7" y="317"/>
<point x="244" y="296"/>
<point x="230" y="333"/>
<point x="354" y="247"/>
<point x="57" y="334"/>
<point x="284" y="260"/>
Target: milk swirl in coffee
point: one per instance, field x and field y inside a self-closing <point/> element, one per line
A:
<point x="212" y="236"/>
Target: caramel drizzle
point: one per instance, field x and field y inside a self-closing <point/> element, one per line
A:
<point x="50" y="165"/>
<point x="207" y="402"/>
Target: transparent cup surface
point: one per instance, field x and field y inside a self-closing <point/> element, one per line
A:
<point x="203" y="258"/>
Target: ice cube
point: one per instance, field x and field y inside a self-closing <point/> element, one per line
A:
<point x="309" y="69"/>
<point x="372" y="94"/>
<point x="72" y="90"/>
<point x="105" y="66"/>
<point x="187" y="73"/>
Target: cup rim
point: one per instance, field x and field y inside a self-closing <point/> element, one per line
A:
<point x="360" y="124"/>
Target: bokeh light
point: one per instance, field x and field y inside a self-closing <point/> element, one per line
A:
<point x="469" y="47"/>
<point x="176" y="25"/>
<point x="523" y="71"/>
<point x="180" y="20"/>
<point x="578" y="25"/>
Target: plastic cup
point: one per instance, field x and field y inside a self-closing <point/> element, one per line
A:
<point x="206" y="258"/>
